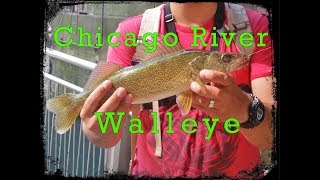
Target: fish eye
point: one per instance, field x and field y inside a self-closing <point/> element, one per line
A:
<point x="226" y="57"/>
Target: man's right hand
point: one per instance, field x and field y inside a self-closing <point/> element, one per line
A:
<point x="119" y="101"/>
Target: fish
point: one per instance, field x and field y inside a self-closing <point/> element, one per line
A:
<point x="164" y="73"/>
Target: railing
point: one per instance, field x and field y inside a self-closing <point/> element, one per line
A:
<point x="71" y="153"/>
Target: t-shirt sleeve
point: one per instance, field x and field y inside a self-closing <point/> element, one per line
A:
<point x="262" y="59"/>
<point x="122" y="55"/>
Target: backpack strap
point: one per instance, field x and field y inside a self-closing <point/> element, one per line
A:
<point x="238" y="22"/>
<point x="219" y="18"/>
<point x="150" y="22"/>
<point x="169" y="20"/>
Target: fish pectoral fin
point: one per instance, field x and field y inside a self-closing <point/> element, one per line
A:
<point x="184" y="101"/>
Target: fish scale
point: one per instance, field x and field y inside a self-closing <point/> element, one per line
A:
<point x="164" y="75"/>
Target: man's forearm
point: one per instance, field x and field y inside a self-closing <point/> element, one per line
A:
<point x="261" y="135"/>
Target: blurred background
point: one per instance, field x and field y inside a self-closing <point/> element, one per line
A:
<point x="67" y="69"/>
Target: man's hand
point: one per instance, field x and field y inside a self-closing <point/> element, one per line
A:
<point x="119" y="101"/>
<point x="229" y="99"/>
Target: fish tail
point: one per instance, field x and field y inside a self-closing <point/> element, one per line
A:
<point x="67" y="108"/>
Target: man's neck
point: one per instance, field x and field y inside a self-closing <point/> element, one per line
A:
<point x="193" y="14"/>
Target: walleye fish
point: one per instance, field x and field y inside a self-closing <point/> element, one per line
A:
<point x="167" y="72"/>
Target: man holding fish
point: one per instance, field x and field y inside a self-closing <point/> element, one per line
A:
<point x="237" y="90"/>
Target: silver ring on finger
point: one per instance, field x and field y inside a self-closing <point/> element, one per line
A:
<point x="211" y="104"/>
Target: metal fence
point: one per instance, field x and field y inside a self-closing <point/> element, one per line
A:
<point x="71" y="153"/>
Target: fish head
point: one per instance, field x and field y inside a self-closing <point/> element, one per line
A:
<point x="226" y="62"/>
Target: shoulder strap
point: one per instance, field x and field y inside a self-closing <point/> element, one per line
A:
<point x="150" y="22"/>
<point x="238" y="22"/>
<point x="168" y="18"/>
<point x="218" y="23"/>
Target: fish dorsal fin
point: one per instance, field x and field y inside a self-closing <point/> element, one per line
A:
<point x="161" y="49"/>
<point x="100" y="73"/>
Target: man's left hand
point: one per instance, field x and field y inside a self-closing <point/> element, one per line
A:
<point x="229" y="100"/>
